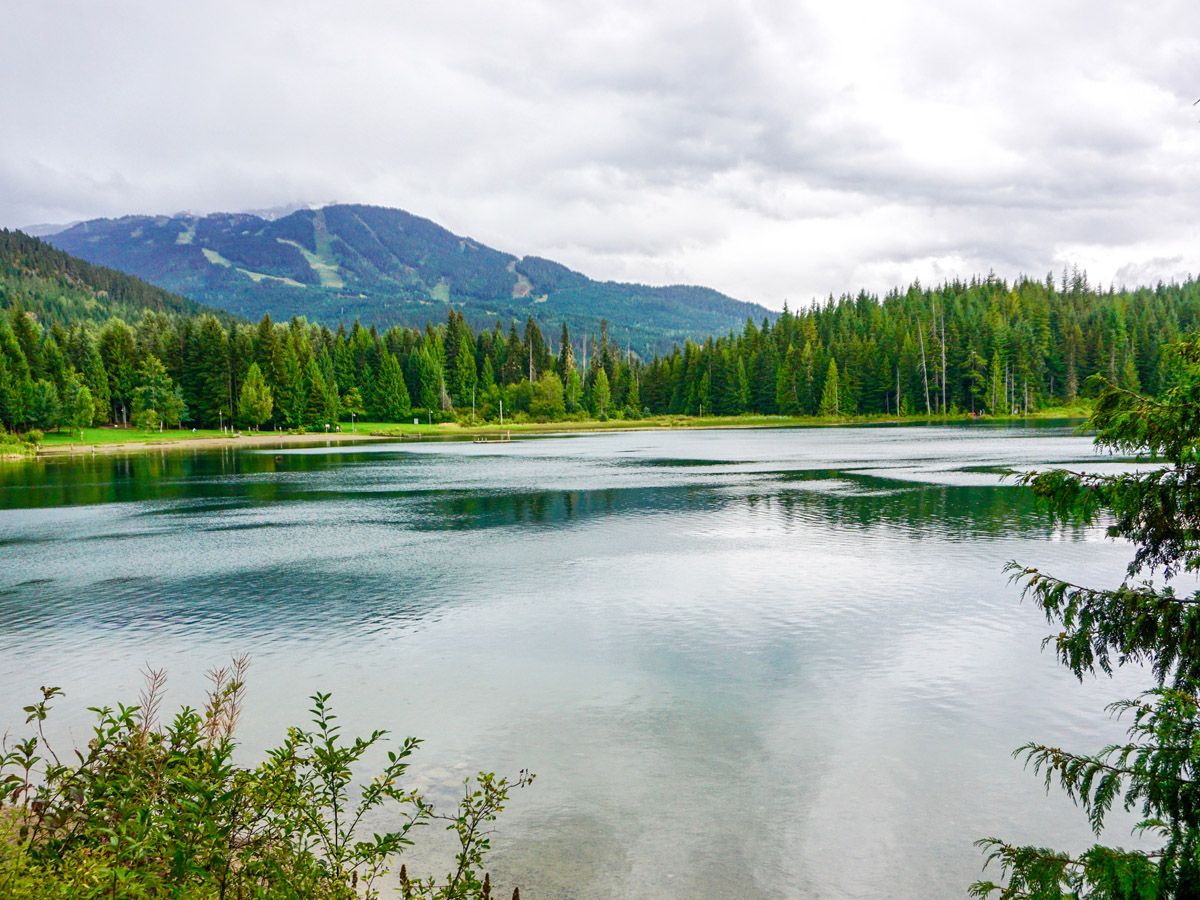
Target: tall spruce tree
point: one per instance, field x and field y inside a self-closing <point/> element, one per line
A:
<point x="1144" y="621"/>
<point x="391" y="399"/>
<point x="255" y="403"/>
<point x="830" y="392"/>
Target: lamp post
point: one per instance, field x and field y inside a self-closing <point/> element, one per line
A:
<point x="352" y="423"/>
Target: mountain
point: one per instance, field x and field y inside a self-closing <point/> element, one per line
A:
<point x="386" y="266"/>
<point x="60" y="288"/>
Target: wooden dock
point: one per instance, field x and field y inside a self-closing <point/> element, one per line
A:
<point x="506" y="438"/>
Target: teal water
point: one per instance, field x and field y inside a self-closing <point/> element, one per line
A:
<point x="777" y="663"/>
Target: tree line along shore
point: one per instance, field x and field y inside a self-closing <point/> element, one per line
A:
<point x="73" y="362"/>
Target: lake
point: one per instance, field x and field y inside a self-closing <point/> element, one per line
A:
<point x="753" y="663"/>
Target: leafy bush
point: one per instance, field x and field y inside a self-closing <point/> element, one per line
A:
<point x="149" y="809"/>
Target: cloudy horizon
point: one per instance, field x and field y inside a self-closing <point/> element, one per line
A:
<point x="773" y="151"/>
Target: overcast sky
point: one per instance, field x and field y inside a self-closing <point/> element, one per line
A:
<point x="771" y="150"/>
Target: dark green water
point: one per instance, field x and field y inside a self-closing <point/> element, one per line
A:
<point x="743" y="663"/>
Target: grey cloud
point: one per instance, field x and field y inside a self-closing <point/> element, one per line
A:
<point x="770" y="149"/>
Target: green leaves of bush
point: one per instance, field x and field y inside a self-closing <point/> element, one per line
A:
<point x="152" y="810"/>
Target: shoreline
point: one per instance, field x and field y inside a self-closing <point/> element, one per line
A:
<point x="207" y="442"/>
<point x="382" y="433"/>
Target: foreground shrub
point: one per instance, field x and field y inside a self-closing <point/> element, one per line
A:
<point x="149" y="809"/>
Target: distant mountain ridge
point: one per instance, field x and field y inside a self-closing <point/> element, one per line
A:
<point x="386" y="266"/>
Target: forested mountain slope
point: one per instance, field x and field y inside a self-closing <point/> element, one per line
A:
<point x="386" y="267"/>
<point x="58" y="287"/>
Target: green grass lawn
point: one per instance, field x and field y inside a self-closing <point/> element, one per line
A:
<point x="126" y="436"/>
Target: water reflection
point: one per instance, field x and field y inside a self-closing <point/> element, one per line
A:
<point x="753" y="664"/>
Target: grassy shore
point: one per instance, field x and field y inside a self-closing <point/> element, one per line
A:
<point x="121" y="440"/>
<point x="99" y="440"/>
<point x="652" y="423"/>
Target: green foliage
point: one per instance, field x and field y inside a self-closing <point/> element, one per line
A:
<point x="1142" y="621"/>
<point x="150" y="809"/>
<point x="256" y="403"/>
<point x="601" y="396"/>
<point x="830" y="404"/>
<point x="352" y="403"/>
<point x="984" y="345"/>
<point x="79" y="407"/>
<point x="547" y="401"/>
<point x="392" y="401"/>
<point x="60" y="288"/>
<point x="42" y="404"/>
<point x="156" y="399"/>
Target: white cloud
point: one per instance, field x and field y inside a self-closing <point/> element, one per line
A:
<point x="769" y="149"/>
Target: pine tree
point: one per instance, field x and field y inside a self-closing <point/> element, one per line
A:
<point x="830" y="392"/>
<point x="206" y="372"/>
<point x="487" y="377"/>
<point x="996" y="396"/>
<point x="43" y="404"/>
<point x="79" y="406"/>
<point x="290" y="396"/>
<point x="391" y="403"/>
<point x="156" y="399"/>
<point x="633" y="398"/>
<point x="601" y="395"/>
<point x="566" y="355"/>
<point x="119" y="355"/>
<point x="255" y="403"/>
<point x="787" y="383"/>
<point x="463" y="374"/>
<point x="429" y="381"/>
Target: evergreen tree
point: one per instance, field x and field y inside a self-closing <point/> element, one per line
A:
<point x="119" y="355"/>
<point x="573" y="393"/>
<point x="463" y="374"/>
<point x="291" y="398"/>
<point x="43" y="405"/>
<point x="830" y="404"/>
<point x="487" y="378"/>
<point x="566" y="355"/>
<point x="392" y="403"/>
<point x="156" y="395"/>
<point x="997" y="402"/>
<point x="255" y="403"/>
<point x="322" y="407"/>
<point x="79" y="406"/>
<point x="787" y="383"/>
<point x="353" y="404"/>
<point x="601" y="395"/>
<point x="1144" y="621"/>
<point x="206" y="372"/>
<point x="429" y="382"/>
<point x="633" y="400"/>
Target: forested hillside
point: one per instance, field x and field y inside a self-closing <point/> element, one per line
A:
<point x="386" y="267"/>
<point x="984" y="346"/>
<point x="58" y="287"/>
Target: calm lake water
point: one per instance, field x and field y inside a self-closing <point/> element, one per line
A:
<point x="777" y="663"/>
